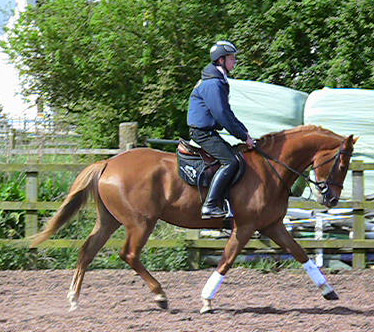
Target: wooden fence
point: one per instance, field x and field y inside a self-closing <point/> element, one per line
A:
<point x="358" y="245"/>
<point x="31" y="205"/>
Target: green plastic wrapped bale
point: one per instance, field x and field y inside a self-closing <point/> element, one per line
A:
<point x="346" y="112"/>
<point x="264" y="108"/>
<point x="299" y="186"/>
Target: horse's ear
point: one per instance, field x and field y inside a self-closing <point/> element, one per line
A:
<point x="351" y="140"/>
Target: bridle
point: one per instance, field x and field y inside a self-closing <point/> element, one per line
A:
<point x="322" y="186"/>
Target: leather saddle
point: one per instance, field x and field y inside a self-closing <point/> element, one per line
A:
<point x="197" y="167"/>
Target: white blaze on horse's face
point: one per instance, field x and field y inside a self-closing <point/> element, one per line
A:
<point x="331" y="168"/>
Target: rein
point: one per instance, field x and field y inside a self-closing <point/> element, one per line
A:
<point x="322" y="186"/>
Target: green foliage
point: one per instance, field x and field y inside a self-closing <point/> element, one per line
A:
<point x="99" y="63"/>
<point x="12" y="224"/>
<point x="269" y="265"/>
<point x="166" y="259"/>
<point x="106" y="62"/>
<point x="104" y="119"/>
<point x="54" y="186"/>
<point x="15" y="259"/>
<point x="307" y="44"/>
<point x="24" y="259"/>
<point x="12" y="186"/>
<point x="155" y="259"/>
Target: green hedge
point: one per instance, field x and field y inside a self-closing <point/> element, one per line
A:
<point x="155" y="259"/>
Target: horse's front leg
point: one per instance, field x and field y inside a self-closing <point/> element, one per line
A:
<point x="235" y="244"/>
<point x="279" y="234"/>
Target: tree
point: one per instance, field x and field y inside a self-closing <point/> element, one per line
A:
<point x="102" y="63"/>
<point x="308" y="44"/>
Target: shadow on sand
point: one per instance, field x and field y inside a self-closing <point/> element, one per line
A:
<point x="269" y="310"/>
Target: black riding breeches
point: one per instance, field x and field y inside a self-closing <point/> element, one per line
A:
<point x="215" y="145"/>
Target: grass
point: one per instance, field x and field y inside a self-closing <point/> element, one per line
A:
<point x="270" y="265"/>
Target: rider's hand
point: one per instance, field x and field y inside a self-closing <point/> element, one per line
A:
<point x="251" y="143"/>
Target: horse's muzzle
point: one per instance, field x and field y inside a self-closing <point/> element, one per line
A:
<point x="328" y="199"/>
<point x="332" y="201"/>
<point x="326" y="195"/>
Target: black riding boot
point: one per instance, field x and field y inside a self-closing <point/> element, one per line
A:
<point x="219" y="184"/>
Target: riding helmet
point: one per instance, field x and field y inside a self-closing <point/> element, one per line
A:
<point x="222" y="48"/>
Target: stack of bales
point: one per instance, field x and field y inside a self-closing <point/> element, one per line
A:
<point x="266" y="108"/>
<point x="346" y="112"/>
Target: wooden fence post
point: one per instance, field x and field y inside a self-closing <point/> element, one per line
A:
<point x="128" y="132"/>
<point x="358" y="194"/>
<point x="12" y="139"/>
<point x="318" y="235"/>
<point x="31" y="220"/>
<point x="11" y="144"/>
<point x="194" y="256"/>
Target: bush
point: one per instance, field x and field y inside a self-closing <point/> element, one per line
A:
<point x="156" y="259"/>
<point x="166" y="259"/>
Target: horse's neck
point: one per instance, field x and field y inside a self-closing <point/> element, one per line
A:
<point x="297" y="152"/>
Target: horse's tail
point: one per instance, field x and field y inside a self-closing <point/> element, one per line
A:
<point x="84" y="184"/>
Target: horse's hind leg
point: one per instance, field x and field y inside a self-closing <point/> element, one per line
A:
<point x="104" y="228"/>
<point x="279" y="234"/>
<point x="137" y="237"/>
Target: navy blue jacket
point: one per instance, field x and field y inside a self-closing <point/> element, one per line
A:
<point x="209" y="105"/>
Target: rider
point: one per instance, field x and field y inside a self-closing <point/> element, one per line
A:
<point x="209" y="111"/>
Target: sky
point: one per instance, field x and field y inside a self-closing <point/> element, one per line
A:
<point x="10" y="91"/>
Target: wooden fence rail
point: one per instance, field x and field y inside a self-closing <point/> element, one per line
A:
<point x="358" y="245"/>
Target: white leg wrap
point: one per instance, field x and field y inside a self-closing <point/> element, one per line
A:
<point x="314" y="273"/>
<point x="72" y="297"/>
<point x="212" y="286"/>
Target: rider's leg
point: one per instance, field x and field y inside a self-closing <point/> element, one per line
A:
<point x="216" y="146"/>
<point x="221" y="180"/>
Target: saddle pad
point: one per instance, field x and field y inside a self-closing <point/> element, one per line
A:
<point x="191" y="169"/>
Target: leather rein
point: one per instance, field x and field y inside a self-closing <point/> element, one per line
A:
<point x="322" y="186"/>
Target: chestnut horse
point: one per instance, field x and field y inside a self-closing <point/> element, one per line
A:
<point x="140" y="186"/>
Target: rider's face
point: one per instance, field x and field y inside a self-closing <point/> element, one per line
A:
<point x="231" y="62"/>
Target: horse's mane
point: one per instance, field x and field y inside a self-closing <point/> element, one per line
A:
<point x="270" y="138"/>
<point x="301" y="129"/>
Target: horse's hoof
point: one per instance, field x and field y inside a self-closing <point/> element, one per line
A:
<point x="205" y="310"/>
<point x="207" y="307"/>
<point x="163" y="304"/>
<point x="162" y="301"/>
<point x="331" y="296"/>
<point x="328" y="292"/>
<point x="73" y="307"/>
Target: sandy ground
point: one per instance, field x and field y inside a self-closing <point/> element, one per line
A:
<point x="118" y="300"/>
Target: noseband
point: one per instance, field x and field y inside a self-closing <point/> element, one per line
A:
<point x="322" y="186"/>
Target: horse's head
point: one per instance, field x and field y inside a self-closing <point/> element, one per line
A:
<point x="331" y="167"/>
